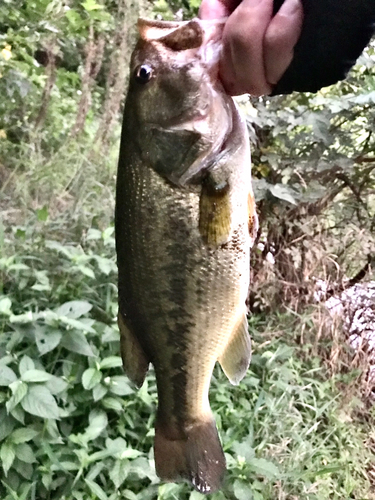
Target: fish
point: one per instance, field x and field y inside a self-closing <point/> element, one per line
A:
<point x="185" y="220"/>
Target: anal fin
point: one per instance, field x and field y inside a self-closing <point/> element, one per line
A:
<point x="134" y="359"/>
<point x="235" y="360"/>
<point x="215" y="210"/>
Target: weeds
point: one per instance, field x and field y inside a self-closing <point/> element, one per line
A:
<point x="71" y="426"/>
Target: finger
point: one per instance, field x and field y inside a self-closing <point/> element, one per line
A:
<point x="242" y="67"/>
<point x="281" y="36"/>
<point x="216" y="9"/>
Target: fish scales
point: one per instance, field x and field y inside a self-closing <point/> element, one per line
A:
<point x="182" y="287"/>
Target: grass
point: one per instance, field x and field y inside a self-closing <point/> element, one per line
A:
<point x="287" y="430"/>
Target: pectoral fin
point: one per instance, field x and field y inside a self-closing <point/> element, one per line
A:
<point x="215" y="210"/>
<point x="253" y="217"/>
<point x="134" y="359"/>
<point x="236" y="358"/>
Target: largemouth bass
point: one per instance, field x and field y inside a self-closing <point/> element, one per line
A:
<point x="185" y="221"/>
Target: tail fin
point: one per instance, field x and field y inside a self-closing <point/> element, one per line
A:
<point x="198" y="457"/>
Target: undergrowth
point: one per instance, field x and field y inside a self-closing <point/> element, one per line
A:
<point x="72" y="427"/>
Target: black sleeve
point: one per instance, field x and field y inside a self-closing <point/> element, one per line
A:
<point x="334" y="34"/>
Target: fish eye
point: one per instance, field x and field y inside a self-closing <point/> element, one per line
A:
<point x="143" y="73"/>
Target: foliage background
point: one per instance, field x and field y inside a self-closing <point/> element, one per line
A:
<point x="300" y="425"/>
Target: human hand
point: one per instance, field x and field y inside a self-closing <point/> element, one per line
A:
<point x="257" y="48"/>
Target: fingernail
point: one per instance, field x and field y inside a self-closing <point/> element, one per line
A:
<point x="290" y="7"/>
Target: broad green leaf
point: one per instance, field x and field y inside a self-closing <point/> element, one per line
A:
<point x="99" y="392"/>
<point x="7" y="375"/>
<point x="98" y="422"/>
<point x="92" y="5"/>
<point x="56" y="385"/>
<point x="26" y="364"/>
<point x="40" y="402"/>
<point x="283" y="193"/>
<point x="18" y="267"/>
<point x="35" y="376"/>
<point x="142" y="467"/>
<point x="47" y="480"/>
<point x="25" y="470"/>
<point x="107" y="233"/>
<point x="79" y="325"/>
<point x="244" y="450"/>
<point x="120" y="386"/>
<point x="264" y="467"/>
<point x="129" y="495"/>
<point x="23" y="435"/>
<point x="67" y="251"/>
<point x="110" y="362"/>
<point x="130" y="453"/>
<point x="42" y="214"/>
<point x="112" y="404"/>
<point x="25" y="453"/>
<point x="74" y="309"/>
<point x="19" y="390"/>
<point x="6" y="306"/>
<point x="46" y="338"/>
<point x="87" y="271"/>
<point x="119" y="472"/>
<point x="242" y="490"/>
<point x="195" y="495"/>
<point x="168" y="490"/>
<point x="6" y="424"/>
<point x="18" y="414"/>
<point x="91" y="377"/>
<point x="96" y="489"/>
<point x="7" y="456"/>
<point x="76" y="342"/>
<point x="94" y="471"/>
<point x="93" y="234"/>
<point x="115" y="446"/>
<point x="105" y="265"/>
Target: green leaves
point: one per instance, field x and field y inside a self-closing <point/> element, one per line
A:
<point x="71" y="426"/>
<point x="46" y="339"/>
<point x="7" y="375"/>
<point x="91" y="378"/>
<point x="242" y="490"/>
<point x="19" y="391"/>
<point x="74" y="309"/>
<point x="76" y="342"/>
<point x="35" y="376"/>
<point x="40" y="402"/>
<point x="7" y="456"/>
<point x="22" y="435"/>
